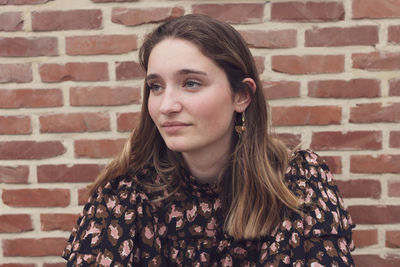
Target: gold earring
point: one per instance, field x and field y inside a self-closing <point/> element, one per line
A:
<point x="240" y="129"/>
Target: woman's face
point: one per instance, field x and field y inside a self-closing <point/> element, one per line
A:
<point x="190" y="99"/>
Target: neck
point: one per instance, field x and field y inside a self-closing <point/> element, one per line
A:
<point x="207" y="166"/>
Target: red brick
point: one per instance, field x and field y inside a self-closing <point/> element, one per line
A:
<point x="281" y="89"/>
<point x="11" y="21"/>
<point x="10" y="150"/>
<point x="55" y="20"/>
<point x="128" y="70"/>
<point x="104" y="96"/>
<point x="259" y="61"/>
<point x="382" y="214"/>
<point x="334" y="163"/>
<point x="137" y="16"/>
<point x="74" y="71"/>
<point x="361" y="188"/>
<point x="100" y="44"/>
<point x="15" y="125"/>
<point x="23" y="2"/>
<point x="392" y="239"/>
<point x="344" y="89"/>
<point x="97" y="148"/>
<point x="28" y="47"/>
<point x="14" y="174"/>
<point x="365" y="238"/>
<point x="375" y="112"/>
<point x="36" y="197"/>
<point x="394" y="34"/>
<point x="15" y="223"/>
<point x="307" y="11"/>
<point x="371" y="164"/>
<point x="352" y="140"/>
<point x="291" y="140"/>
<point x="16" y="73"/>
<point x="32" y="247"/>
<point x="126" y="122"/>
<point x="17" y="264"/>
<point x="31" y="98"/>
<point x="83" y="196"/>
<point x="394" y="188"/>
<point x="232" y="13"/>
<point x="270" y="39"/>
<point x="308" y="64"/>
<point x="307" y="115"/>
<point x="75" y="122"/>
<point x="394" y="87"/>
<point x="78" y="173"/>
<point x="336" y="36"/>
<point x="394" y="139"/>
<point x="376" y="61"/>
<point x="57" y="221"/>
<point x="376" y="9"/>
<point x="375" y="260"/>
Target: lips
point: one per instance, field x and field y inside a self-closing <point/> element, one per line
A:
<point x="173" y="126"/>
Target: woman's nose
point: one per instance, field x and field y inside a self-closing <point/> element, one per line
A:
<point x="170" y="102"/>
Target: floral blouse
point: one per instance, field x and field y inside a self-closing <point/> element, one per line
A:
<point x="119" y="226"/>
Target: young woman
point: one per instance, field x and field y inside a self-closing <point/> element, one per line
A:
<point x="201" y="181"/>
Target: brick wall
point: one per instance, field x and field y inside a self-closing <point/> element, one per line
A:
<point x="70" y="93"/>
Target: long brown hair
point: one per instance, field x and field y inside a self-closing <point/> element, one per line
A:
<point x="254" y="177"/>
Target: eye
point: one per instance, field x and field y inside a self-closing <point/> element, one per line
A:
<point x="192" y="84"/>
<point x="154" y="87"/>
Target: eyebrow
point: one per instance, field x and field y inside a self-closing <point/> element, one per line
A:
<point x="180" y="72"/>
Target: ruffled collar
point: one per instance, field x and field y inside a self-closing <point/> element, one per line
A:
<point x="195" y="186"/>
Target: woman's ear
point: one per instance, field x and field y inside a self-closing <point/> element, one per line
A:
<point x="243" y="98"/>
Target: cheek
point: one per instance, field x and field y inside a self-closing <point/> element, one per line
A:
<point x="152" y="108"/>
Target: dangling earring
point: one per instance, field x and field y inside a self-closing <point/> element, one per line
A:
<point x="241" y="128"/>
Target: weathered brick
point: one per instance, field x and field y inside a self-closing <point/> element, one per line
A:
<point x="128" y="70"/>
<point x="394" y="188"/>
<point x="23" y="2"/>
<point x="83" y="196"/>
<point x="104" y="96"/>
<point x="232" y="13"/>
<point x="32" y="247"/>
<point x="97" y="148"/>
<point x="10" y="150"/>
<point x="14" y="174"/>
<point x="280" y="89"/>
<point x="394" y="139"/>
<point x="74" y="71"/>
<point x="337" y="36"/>
<point x="16" y="73"/>
<point x="15" y="125"/>
<point x="394" y="34"/>
<point x="365" y="238"/>
<point x="36" y="197"/>
<point x="367" y="260"/>
<point x="100" y="44"/>
<point x="392" y="239"/>
<point x="308" y="64"/>
<point x="375" y="9"/>
<point x="375" y="112"/>
<point x="56" y="20"/>
<point x="31" y="98"/>
<point x="360" y="188"/>
<point x="352" y="140"/>
<point x="15" y="223"/>
<point x="307" y="11"/>
<point x="78" y="173"/>
<point x="291" y="140"/>
<point x="17" y="264"/>
<point x="28" y="47"/>
<point x="57" y="221"/>
<point x="376" y="61"/>
<point x="270" y="39"/>
<point x="394" y="87"/>
<point x="126" y="122"/>
<point x="344" y="89"/>
<point x="382" y="214"/>
<point x="372" y="164"/>
<point x="75" y="122"/>
<point x="307" y="115"/>
<point x="334" y="163"/>
<point x="137" y="16"/>
<point x="259" y="61"/>
<point x="11" y="21"/>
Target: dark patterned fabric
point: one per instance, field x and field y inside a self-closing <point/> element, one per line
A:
<point x="121" y="227"/>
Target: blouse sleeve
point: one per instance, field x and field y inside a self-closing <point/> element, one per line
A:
<point x="105" y="233"/>
<point x="327" y="225"/>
